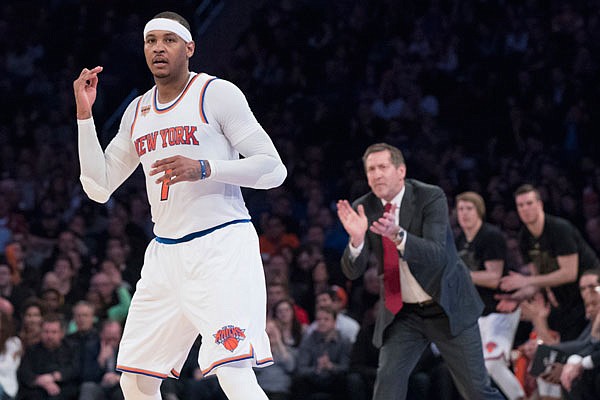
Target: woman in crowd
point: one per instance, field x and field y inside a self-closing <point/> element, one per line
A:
<point x="285" y="317"/>
<point x="11" y="350"/>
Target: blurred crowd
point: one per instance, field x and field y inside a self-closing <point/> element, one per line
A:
<point x="479" y="95"/>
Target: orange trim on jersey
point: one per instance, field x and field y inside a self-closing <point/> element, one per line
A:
<point x="175" y="373"/>
<point x="202" y="93"/>
<point x="141" y="372"/>
<point x="135" y="116"/>
<point x="167" y="109"/>
<point x="264" y="361"/>
<point x="234" y="359"/>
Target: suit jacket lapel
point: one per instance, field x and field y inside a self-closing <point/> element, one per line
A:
<point x="408" y="206"/>
<point x="374" y="210"/>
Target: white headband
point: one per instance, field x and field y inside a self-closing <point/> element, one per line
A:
<point x="165" y="24"/>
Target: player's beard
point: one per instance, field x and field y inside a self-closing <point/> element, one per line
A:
<point x="160" y="74"/>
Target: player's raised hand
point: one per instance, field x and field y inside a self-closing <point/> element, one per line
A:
<point x="85" y="91"/>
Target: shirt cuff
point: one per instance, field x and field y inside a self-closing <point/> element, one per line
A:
<point x="355" y="251"/>
<point x="574" y="359"/>
<point x="587" y="362"/>
<point x="87" y="121"/>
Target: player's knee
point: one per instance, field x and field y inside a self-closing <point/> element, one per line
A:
<point x="134" y="385"/>
<point x="127" y="382"/>
<point x="240" y="383"/>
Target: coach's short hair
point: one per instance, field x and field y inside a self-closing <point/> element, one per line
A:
<point x="396" y="155"/>
<point x="475" y="199"/>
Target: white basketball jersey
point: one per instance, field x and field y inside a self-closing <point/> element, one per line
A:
<point x="184" y="128"/>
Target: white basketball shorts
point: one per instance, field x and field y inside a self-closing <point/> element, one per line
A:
<point x="212" y="285"/>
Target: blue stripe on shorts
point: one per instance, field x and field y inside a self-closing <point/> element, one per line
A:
<point x="198" y="234"/>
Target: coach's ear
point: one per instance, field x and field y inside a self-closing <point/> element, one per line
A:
<point x="189" y="48"/>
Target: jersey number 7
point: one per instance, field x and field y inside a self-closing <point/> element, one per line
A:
<point x="164" y="189"/>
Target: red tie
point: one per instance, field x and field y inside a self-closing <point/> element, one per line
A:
<point x="391" y="273"/>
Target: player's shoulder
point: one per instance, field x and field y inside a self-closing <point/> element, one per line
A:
<point x="216" y="83"/>
<point x="130" y="110"/>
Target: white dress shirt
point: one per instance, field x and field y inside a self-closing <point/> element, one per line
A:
<point x="412" y="292"/>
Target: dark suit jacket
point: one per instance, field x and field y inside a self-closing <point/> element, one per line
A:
<point x="430" y="253"/>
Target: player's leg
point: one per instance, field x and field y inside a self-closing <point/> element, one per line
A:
<point x="140" y="387"/>
<point x="239" y="383"/>
<point x="157" y="336"/>
<point x="497" y="336"/>
<point x="225" y="297"/>
<point x="505" y="379"/>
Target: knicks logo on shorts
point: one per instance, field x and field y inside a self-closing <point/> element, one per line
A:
<point x="490" y="346"/>
<point x="229" y="336"/>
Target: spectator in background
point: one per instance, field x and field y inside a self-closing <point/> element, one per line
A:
<point x="345" y="325"/>
<point x="275" y="237"/>
<point x="537" y="310"/>
<point x="276" y="268"/>
<point x="11" y="351"/>
<point x="305" y="259"/>
<point x="110" y="337"/>
<point x="16" y="294"/>
<point x="284" y="315"/>
<point x="364" y="359"/>
<point x="49" y="369"/>
<point x="114" y="298"/>
<point x="114" y="273"/>
<point x="278" y="291"/>
<point x="102" y="382"/>
<point x="23" y="271"/>
<point x="117" y="251"/>
<point x="323" y="359"/>
<point x="483" y="249"/>
<point x="363" y="297"/>
<point x="66" y="280"/>
<point x="592" y="229"/>
<point x="31" y="323"/>
<point x="276" y="380"/>
<point x="54" y="303"/>
<point x="11" y="222"/>
<point x="320" y="282"/>
<point x="556" y="254"/>
<point x="85" y="342"/>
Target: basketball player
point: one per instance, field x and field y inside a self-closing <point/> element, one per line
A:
<point x="202" y="273"/>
